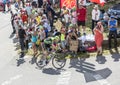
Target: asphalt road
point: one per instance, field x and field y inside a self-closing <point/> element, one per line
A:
<point x="102" y="70"/>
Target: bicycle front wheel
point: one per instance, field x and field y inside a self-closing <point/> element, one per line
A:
<point x="39" y="62"/>
<point x="58" y="62"/>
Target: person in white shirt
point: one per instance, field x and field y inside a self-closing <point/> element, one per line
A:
<point x="95" y="16"/>
<point x="67" y="18"/>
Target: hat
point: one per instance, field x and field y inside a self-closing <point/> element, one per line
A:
<point x="96" y="6"/>
<point x="40" y="27"/>
<point x="36" y="14"/>
<point x="112" y="16"/>
<point x="80" y="4"/>
<point x="69" y="31"/>
<point x="44" y="15"/>
<point x="71" y="25"/>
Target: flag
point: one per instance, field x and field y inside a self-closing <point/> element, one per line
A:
<point x="68" y="3"/>
<point x="101" y="2"/>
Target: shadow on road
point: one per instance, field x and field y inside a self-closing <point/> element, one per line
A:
<point x="51" y="71"/>
<point x="21" y="59"/>
<point x="81" y="65"/>
<point x="115" y="55"/>
<point x="11" y="36"/>
<point x="101" y="59"/>
<point x="97" y="75"/>
<point x="15" y="40"/>
<point x="88" y="69"/>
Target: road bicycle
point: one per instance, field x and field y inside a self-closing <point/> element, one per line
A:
<point x="57" y="58"/>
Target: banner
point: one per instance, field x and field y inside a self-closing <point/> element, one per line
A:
<point x="68" y="3"/>
<point x="101" y="2"/>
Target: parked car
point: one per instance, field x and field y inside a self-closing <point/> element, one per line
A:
<point x="115" y="10"/>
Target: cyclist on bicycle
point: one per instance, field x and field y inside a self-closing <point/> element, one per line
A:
<point x="50" y="44"/>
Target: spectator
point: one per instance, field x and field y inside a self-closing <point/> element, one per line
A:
<point x="95" y="16"/>
<point x="105" y="19"/>
<point x="37" y="18"/>
<point x="62" y="38"/>
<point x="81" y="17"/>
<point x="35" y="3"/>
<point x="74" y="21"/>
<point x="28" y="8"/>
<point x="102" y="11"/>
<point x="46" y="23"/>
<point x="27" y="35"/>
<point x="34" y="40"/>
<point x="21" y="35"/>
<point x="112" y="25"/>
<point x="98" y="31"/>
<point x="24" y="17"/>
<point x="4" y="5"/>
<point x="12" y="22"/>
<point x="40" y="3"/>
<point x="67" y="18"/>
<point x="42" y="36"/>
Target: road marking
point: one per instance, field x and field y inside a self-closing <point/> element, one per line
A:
<point x="64" y="78"/>
<point x="101" y="80"/>
<point x="8" y="82"/>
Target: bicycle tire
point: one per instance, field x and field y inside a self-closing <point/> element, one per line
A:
<point x="38" y="62"/>
<point x="58" y="62"/>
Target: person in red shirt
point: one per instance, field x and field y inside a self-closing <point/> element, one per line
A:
<point x="81" y="17"/>
<point x="24" y="17"/>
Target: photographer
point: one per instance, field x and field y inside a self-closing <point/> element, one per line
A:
<point x="112" y="25"/>
<point x="98" y="31"/>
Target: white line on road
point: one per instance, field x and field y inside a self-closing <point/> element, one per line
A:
<point x="8" y="82"/>
<point x="101" y="80"/>
<point x="64" y="78"/>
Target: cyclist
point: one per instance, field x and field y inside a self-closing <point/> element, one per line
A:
<point x="50" y="44"/>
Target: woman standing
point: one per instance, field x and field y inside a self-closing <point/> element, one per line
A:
<point x="98" y="32"/>
<point x="34" y="40"/>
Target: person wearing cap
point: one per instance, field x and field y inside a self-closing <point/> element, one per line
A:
<point x="95" y="16"/>
<point x="112" y="26"/>
<point x="81" y="17"/>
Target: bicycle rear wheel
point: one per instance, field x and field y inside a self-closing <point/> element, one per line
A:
<point x="58" y="61"/>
